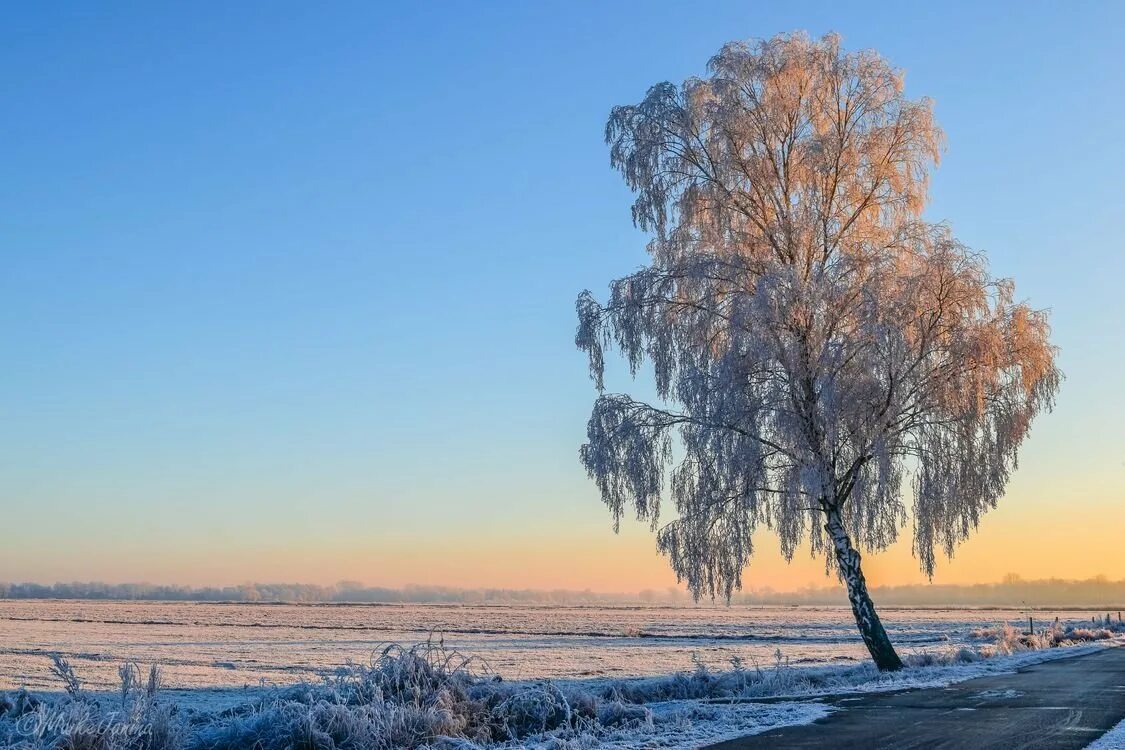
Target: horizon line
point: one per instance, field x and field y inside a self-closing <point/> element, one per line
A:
<point x="1011" y="590"/>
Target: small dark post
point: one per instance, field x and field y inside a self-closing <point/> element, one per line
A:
<point x="1030" y="626"/>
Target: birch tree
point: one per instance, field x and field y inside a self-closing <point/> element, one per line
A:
<point x="820" y="352"/>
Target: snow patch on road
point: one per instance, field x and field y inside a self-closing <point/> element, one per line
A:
<point x="681" y="725"/>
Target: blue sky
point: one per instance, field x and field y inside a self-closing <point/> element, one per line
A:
<point x="287" y="289"/>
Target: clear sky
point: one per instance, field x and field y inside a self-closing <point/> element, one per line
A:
<point x="287" y="288"/>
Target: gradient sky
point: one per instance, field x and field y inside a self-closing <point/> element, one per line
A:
<point x="287" y="288"/>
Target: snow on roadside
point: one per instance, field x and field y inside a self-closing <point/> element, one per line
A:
<point x="1114" y="739"/>
<point x="681" y="725"/>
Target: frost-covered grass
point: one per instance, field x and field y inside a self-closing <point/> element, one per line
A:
<point x="1008" y="640"/>
<point x="427" y="696"/>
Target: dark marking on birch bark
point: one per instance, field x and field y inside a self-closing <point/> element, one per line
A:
<point x="870" y="626"/>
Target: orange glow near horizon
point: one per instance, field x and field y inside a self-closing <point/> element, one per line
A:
<point x="1035" y="543"/>
<point x="1047" y="526"/>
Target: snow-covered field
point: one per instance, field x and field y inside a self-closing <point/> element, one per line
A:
<point x="235" y="645"/>
<point x="618" y="677"/>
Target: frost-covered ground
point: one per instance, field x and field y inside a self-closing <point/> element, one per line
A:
<point x="433" y="696"/>
<point x="426" y="696"/>
<point x="235" y="645"/>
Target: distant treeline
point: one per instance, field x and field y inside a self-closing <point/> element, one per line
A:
<point x="1011" y="592"/>
<point x="344" y="592"/>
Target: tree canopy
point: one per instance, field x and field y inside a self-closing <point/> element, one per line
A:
<point x="819" y="349"/>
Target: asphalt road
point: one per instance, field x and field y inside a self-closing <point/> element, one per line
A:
<point x="1067" y="703"/>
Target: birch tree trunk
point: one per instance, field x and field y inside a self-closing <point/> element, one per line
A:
<point x="870" y="626"/>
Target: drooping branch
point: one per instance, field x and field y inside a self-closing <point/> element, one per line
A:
<point x="811" y="337"/>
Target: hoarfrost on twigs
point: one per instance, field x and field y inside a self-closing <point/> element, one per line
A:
<point x="815" y="342"/>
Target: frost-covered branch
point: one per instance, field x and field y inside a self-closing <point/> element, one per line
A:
<point x="814" y="341"/>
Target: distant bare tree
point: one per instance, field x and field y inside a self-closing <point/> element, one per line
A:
<point x="814" y="341"/>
